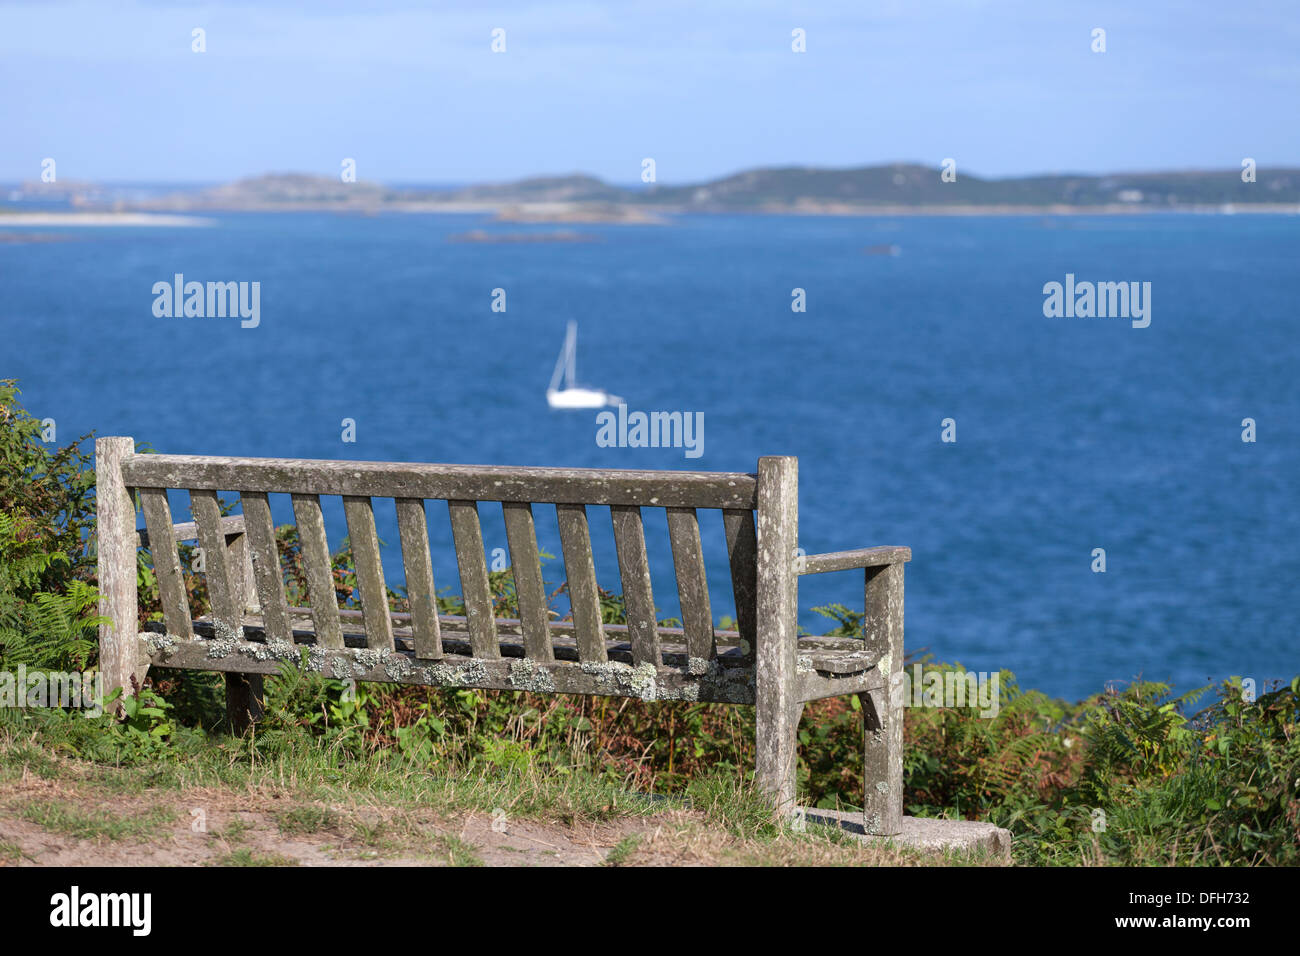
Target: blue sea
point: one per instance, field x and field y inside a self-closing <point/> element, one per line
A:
<point x="1072" y="434"/>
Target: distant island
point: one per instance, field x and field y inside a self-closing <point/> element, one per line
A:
<point x="893" y="189"/>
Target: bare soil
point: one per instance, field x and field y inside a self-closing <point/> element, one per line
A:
<point x="51" y="823"/>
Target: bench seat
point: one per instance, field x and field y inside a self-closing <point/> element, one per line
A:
<point x="824" y="664"/>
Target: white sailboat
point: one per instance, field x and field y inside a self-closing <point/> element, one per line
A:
<point x="571" y="395"/>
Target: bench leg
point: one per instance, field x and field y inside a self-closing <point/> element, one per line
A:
<point x="775" y="703"/>
<point x="243" y="701"/>
<point x="883" y="764"/>
<point x="120" y="661"/>
<point x="777" y="754"/>
<point x="882" y="713"/>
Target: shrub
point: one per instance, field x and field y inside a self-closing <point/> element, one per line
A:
<point x="47" y="600"/>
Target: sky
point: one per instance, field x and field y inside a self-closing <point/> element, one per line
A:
<point x="414" y="93"/>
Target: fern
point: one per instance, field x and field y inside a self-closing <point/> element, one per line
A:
<point x="47" y="617"/>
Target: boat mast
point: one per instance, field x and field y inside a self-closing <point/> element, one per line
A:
<point x="571" y="350"/>
<point x="559" y="371"/>
<point x="566" y="364"/>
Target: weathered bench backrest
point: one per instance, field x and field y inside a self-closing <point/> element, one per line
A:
<point x="463" y="487"/>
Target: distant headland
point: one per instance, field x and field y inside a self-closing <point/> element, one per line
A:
<point x="892" y="189"/>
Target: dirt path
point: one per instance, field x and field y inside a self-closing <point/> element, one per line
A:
<point x="53" y="823"/>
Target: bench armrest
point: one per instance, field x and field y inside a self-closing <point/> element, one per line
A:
<point x="850" y="560"/>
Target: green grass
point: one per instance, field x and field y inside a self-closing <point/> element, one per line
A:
<point x="60" y="817"/>
<point x="403" y="831"/>
<point x="460" y="853"/>
<point x="307" y="819"/>
<point x="236" y="831"/>
<point x="246" y="857"/>
<point x="622" y="850"/>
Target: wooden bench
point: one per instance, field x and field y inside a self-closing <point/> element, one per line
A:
<point x="250" y="630"/>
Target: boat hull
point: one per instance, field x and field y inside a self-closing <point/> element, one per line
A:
<point x="579" y="398"/>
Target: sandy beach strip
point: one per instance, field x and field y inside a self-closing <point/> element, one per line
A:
<point x="97" y="219"/>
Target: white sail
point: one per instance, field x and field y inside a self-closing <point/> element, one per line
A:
<point x="566" y="373"/>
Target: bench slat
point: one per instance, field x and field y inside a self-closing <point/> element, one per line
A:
<point x="692" y="584"/>
<point x="580" y="570"/>
<point x="187" y="531"/>
<point x="364" y="540"/>
<point x="413" y="527"/>
<point x="474" y="588"/>
<point x="223" y="591"/>
<point x="732" y="684"/>
<point x="838" y="655"/>
<point x="742" y="552"/>
<point x="320" y="574"/>
<point x="240" y="566"/>
<point x="638" y="596"/>
<point x="166" y="562"/>
<point x="267" y="575"/>
<point x="530" y="591"/>
<point x="592" y="486"/>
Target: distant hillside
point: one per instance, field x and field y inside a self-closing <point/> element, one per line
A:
<point x="894" y="187"/>
<point x="278" y="191"/>
<point x="548" y="189"/>
<point x="914" y="185"/>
